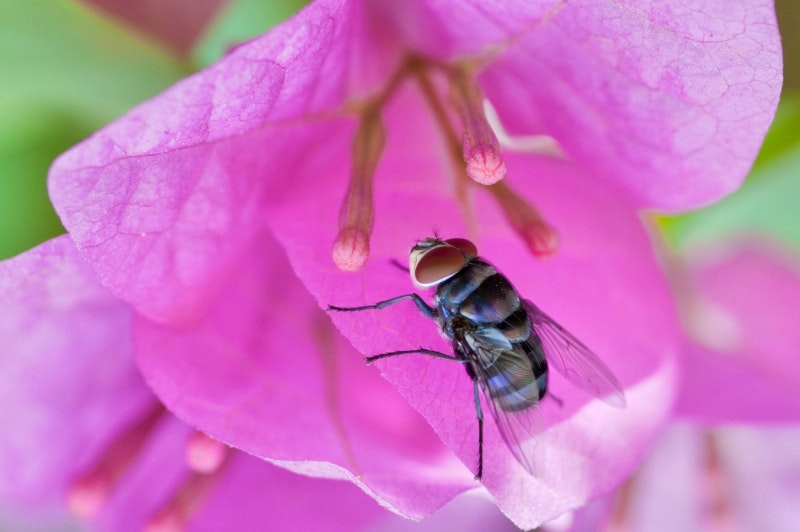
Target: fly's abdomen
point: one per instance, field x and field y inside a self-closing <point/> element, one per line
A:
<point x="512" y="383"/>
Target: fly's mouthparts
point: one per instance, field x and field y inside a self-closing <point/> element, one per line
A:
<point x="481" y="149"/>
<point x="351" y="246"/>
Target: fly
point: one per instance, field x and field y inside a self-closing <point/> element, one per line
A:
<point x="506" y="343"/>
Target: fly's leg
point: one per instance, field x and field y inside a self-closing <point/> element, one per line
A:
<point x="418" y="301"/>
<point x="398" y="264"/>
<point x="479" y="414"/>
<point x="555" y="399"/>
<point x="422" y="351"/>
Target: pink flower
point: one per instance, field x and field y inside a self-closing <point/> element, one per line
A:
<point x="84" y="429"/>
<point x="730" y="462"/>
<point x="212" y="210"/>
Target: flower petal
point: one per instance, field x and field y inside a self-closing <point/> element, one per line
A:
<point x="66" y="368"/>
<point x="753" y="375"/>
<point x="271" y="497"/>
<point x="266" y="372"/>
<point x="162" y="201"/>
<point x="604" y="285"/>
<point x="669" y="99"/>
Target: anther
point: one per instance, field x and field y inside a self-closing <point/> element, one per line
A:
<point x="540" y="238"/>
<point x="88" y="494"/>
<point x="176" y="513"/>
<point x="480" y="147"/>
<point x="204" y="454"/>
<point x="351" y="247"/>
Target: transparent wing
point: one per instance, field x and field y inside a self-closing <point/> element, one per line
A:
<point x="503" y="375"/>
<point x="573" y="360"/>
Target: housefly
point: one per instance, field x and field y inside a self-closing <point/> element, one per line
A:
<point x="506" y="343"/>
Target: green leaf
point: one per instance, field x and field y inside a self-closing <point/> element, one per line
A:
<point x="64" y="72"/>
<point x="240" y="21"/>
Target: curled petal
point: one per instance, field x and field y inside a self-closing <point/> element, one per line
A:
<point x="60" y="326"/>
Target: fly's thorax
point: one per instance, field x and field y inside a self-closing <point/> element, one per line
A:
<point x="479" y="293"/>
<point x="452" y="293"/>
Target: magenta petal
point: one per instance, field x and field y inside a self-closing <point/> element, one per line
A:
<point x="748" y="371"/>
<point x="269" y="497"/>
<point x="69" y="382"/>
<point x="604" y="285"/>
<point x="649" y="97"/>
<point x="266" y="371"/>
<point x="162" y="201"/>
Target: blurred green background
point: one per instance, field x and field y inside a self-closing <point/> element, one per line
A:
<point x="62" y="77"/>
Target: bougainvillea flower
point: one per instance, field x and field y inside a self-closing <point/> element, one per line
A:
<point x="189" y="207"/>
<point x="87" y="431"/>
<point x="711" y="469"/>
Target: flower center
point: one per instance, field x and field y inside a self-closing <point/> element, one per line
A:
<point x="89" y="493"/>
<point x="473" y="151"/>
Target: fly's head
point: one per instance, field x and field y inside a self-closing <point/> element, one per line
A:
<point x="433" y="261"/>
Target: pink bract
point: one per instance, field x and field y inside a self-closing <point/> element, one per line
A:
<point x="744" y="368"/>
<point x="69" y="375"/>
<point x="212" y="208"/>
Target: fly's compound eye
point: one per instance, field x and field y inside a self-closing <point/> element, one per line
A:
<point x="466" y="247"/>
<point x="437" y="264"/>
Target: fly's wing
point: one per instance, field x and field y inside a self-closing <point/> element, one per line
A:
<point x="573" y="360"/>
<point x="504" y="376"/>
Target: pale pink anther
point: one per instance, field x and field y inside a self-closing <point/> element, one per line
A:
<point x="539" y="236"/>
<point x="484" y="163"/>
<point x="541" y="239"/>
<point x="167" y="521"/>
<point x="351" y="247"/>
<point x="86" y="496"/>
<point x="204" y="454"/>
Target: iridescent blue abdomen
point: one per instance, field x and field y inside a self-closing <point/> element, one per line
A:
<point x="480" y="303"/>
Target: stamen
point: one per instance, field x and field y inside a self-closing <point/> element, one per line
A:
<point x="351" y="247"/>
<point x="542" y="240"/>
<point x="715" y="488"/>
<point x="204" y="454"/>
<point x="479" y="144"/>
<point x="175" y="514"/>
<point x="88" y="494"/>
